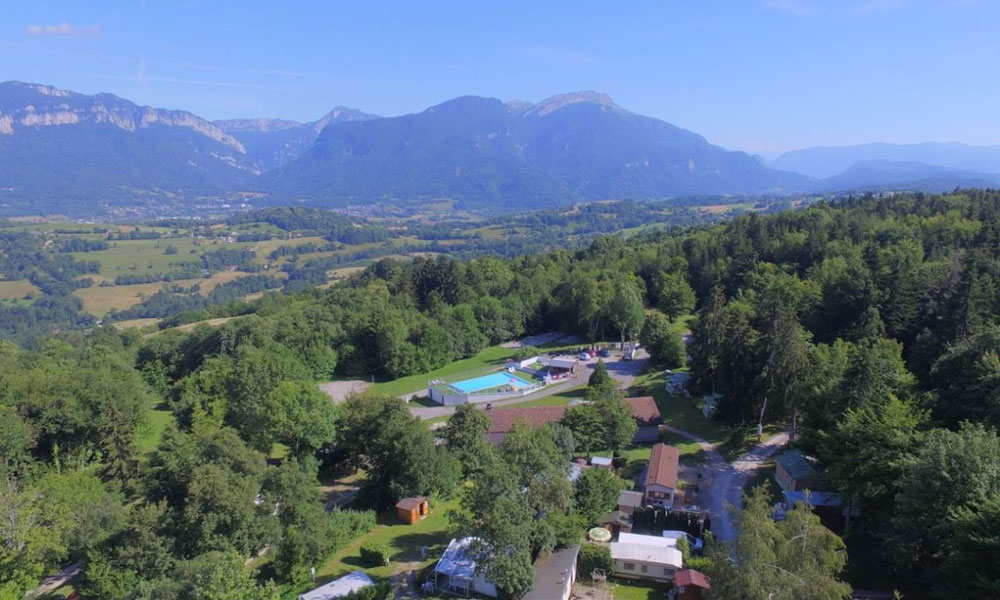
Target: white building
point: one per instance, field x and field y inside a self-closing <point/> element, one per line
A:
<point x="646" y="557"/>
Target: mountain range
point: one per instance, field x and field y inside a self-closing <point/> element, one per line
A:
<point x="79" y="154"/>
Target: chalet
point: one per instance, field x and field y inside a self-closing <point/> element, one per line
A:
<point x="690" y="584"/>
<point x="502" y="419"/>
<point x="340" y="587"/>
<point x="660" y="484"/>
<point x="455" y="572"/>
<point x="794" y="472"/>
<point x="646" y="557"/>
<point x="647" y="417"/>
<point x="411" y="510"/>
<point x="555" y="575"/>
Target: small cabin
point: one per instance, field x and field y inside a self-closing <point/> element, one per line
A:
<point x="411" y="510"/>
<point x="690" y="584"/>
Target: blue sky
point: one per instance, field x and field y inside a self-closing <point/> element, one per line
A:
<point x="758" y="75"/>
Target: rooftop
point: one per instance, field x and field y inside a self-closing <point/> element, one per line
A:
<point x="340" y="587"/>
<point x="503" y="419"/>
<point x="662" y="468"/>
<point x="457" y="560"/>
<point x="691" y="577"/>
<point x="647" y="549"/>
<point x="551" y="571"/>
<point x="645" y="411"/>
<point x="601" y="461"/>
<point x="815" y="498"/>
<point x="630" y="498"/>
<point x="795" y="464"/>
<point x="411" y="503"/>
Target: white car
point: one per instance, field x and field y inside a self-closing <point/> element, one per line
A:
<point x="583" y="356"/>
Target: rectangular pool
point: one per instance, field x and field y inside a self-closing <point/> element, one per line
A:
<point x="493" y="380"/>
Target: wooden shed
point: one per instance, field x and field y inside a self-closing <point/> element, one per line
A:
<point x="411" y="510"/>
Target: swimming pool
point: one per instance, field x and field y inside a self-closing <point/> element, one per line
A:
<point x="494" y="380"/>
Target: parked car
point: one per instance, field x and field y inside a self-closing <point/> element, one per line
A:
<point x="604" y="352"/>
<point x="592" y="353"/>
<point x="583" y="356"/>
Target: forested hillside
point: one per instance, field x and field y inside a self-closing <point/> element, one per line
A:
<point x="871" y="327"/>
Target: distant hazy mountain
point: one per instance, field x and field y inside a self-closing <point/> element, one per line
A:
<point x="482" y="151"/>
<point x="879" y="175"/>
<point x="61" y="146"/>
<point x="272" y="143"/>
<point x="826" y="161"/>
<point x="66" y="152"/>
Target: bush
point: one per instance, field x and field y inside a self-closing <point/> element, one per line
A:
<point x="594" y="556"/>
<point x="525" y="352"/>
<point x="375" y="554"/>
<point x="380" y="591"/>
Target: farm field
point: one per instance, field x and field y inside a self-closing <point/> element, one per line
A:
<point x="146" y="257"/>
<point x="99" y="300"/>
<point x="133" y="323"/>
<point x="17" y="289"/>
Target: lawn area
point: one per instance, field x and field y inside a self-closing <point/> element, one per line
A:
<point x="677" y="410"/>
<point x="149" y="435"/>
<point x="494" y="356"/>
<point x="624" y="589"/>
<point x="404" y="543"/>
<point x="561" y="399"/>
<point x="17" y="289"/>
<point x="685" y="413"/>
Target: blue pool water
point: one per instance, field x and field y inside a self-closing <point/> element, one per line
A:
<point x="491" y="381"/>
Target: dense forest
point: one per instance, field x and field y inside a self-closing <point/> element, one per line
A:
<point x="868" y="326"/>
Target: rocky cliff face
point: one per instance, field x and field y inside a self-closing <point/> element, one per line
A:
<point x="32" y="105"/>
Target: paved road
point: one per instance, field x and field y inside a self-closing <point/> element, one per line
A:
<point x="623" y="371"/>
<point x="722" y="485"/>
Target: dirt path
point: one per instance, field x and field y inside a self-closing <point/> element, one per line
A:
<point x="338" y="391"/>
<point x="54" y="582"/>
<point x="723" y="484"/>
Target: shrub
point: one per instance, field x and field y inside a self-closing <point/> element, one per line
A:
<point x="525" y="352"/>
<point x="375" y="554"/>
<point x="594" y="556"/>
<point x="380" y="591"/>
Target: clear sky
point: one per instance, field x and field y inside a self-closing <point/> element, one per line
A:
<point x="758" y="75"/>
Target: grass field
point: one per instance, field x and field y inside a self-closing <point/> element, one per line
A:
<point x="625" y="589"/>
<point x="149" y="435"/>
<point x="17" y="289"/>
<point x="492" y="356"/>
<point x="144" y="257"/>
<point x="132" y="323"/>
<point x="99" y="300"/>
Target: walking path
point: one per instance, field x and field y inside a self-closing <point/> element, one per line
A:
<point x="724" y="487"/>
